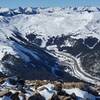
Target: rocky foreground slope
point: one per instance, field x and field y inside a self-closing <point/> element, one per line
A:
<point x="46" y="90"/>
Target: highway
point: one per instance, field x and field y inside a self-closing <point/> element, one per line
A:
<point x="75" y="66"/>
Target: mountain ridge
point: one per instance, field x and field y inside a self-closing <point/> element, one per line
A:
<point x="36" y="10"/>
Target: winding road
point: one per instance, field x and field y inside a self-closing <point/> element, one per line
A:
<point x="75" y="66"/>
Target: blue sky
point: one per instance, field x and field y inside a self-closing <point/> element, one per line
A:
<point x="48" y="3"/>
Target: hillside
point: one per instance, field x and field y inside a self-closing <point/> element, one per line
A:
<point x="55" y="43"/>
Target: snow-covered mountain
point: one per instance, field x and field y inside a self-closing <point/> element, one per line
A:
<point x="29" y="35"/>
